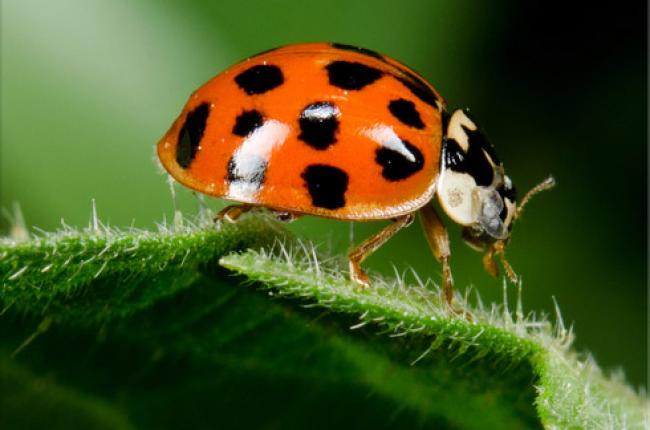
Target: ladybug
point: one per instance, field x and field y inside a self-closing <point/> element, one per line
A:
<point x="342" y="132"/>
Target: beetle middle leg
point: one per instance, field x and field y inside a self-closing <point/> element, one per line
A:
<point x="370" y="245"/>
<point x="436" y="234"/>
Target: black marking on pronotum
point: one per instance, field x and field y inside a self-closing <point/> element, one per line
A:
<point x="326" y="185"/>
<point x="255" y="174"/>
<point x="350" y="75"/>
<point x="319" y="124"/>
<point x="418" y="87"/>
<point x="364" y="51"/>
<point x="477" y="138"/>
<point x="453" y="155"/>
<point x="472" y="162"/>
<point x="405" y="111"/>
<point x="396" y="165"/>
<point x="259" y="79"/>
<point x="247" y="122"/>
<point x="190" y="135"/>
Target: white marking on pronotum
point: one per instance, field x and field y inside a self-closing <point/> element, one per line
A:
<point x="251" y="159"/>
<point x="455" y="128"/>
<point x="386" y="137"/>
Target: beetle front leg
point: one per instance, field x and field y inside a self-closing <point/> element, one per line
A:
<point x="370" y="245"/>
<point x="499" y="248"/>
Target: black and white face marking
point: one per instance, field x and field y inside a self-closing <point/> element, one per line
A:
<point x="472" y="188"/>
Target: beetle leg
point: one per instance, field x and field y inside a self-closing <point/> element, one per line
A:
<point x="286" y="217"/>
<point x="232" y="213"/>
<point x="500" y="250"/>
<point x="438" y="239"/>
<point x="489" y="264"/>
<point x="370" y="245"/>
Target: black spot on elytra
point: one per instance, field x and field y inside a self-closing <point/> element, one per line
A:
<point x="364" y="51"/>
<point x="396" y="165"/>
<point x="318" y="124"/>
<point x="327" y="185"/>
<point x="190" y="135"/>
<point x="472" y="162"/>
<point x="405" y="111"/>
<point x="418" y="87"/>
<point x="247" y="122"/>
<point x="260" y="79"/>
<point x="254" y="177"/>
<point x="351" y="76"/>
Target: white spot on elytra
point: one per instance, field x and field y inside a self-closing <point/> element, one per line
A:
<point x="321" y="112"/>
<point x="386" y="137"/>
<point x="251" y="158"/>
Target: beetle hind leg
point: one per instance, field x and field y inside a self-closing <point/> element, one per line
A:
<point x="370" y="245"/>
<point x="286" y="217"/>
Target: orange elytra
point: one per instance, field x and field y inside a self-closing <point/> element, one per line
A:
<point x="343" y="132"/>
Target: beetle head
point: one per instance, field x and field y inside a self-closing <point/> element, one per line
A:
<point x="473" y="188"/>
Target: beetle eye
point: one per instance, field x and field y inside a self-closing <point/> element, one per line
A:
<point x="489" y="219"/>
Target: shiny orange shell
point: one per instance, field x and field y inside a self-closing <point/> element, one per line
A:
<point x="312" y="129"/>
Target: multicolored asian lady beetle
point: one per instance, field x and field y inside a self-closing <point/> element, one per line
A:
<point x="343" y="132"/>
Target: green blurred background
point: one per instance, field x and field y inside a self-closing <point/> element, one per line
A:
<point x="88" y="87"/>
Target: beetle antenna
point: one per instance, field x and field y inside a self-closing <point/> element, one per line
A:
<point x="546" y="184"/>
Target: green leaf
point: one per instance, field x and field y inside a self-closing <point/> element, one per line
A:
<point x="136" y="329"/>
